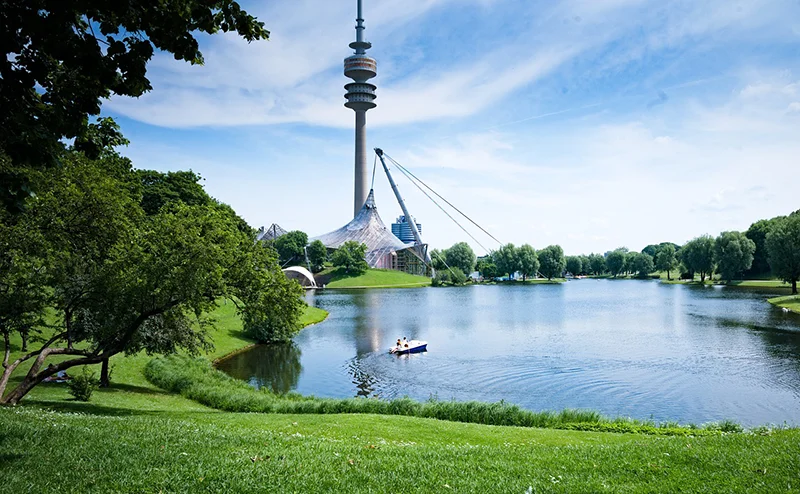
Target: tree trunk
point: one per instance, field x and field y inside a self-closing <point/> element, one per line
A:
<point x="794" y="286"/>
<point x="68" y="325"/>
<point x="104" y="379"/>
<point x="668" y="276"/>
<point x="24" y="335"/>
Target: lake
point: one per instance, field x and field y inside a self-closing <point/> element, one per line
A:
<point x="641" y="349"/>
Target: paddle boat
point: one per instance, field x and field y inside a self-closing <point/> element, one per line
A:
<point x="413" y="346"/>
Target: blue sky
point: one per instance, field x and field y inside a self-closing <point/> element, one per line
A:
<point x="592" y="124"/>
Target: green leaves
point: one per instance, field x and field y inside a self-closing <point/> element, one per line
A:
<point x="733" y="253"/>
<point x="350" y="255"/>
<point x="552" y="261"/>
<point x="63" y="57"/>
<point x="783" y="246"/>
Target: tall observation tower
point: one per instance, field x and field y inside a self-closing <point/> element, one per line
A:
<point x="360" y="98"/>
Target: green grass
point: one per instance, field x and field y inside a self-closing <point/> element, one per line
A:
<point x="791" y="302"/>
<point x="130" y="390"/>
<point x="758" y="284"/>
<point x="44" y="451"/>
<point x="197" y="380"/>
<point x="374" y="278"/>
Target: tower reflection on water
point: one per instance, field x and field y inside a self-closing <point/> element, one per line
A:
<point x="372" y="330"/>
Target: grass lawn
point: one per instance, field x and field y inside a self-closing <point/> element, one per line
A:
<point x="791" y="302"/>
<point x="373" y="278"/>
<point x="197" y="451"/>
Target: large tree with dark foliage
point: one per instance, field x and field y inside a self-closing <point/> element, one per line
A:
<point x="783" y="247"/>
<point x="121" y="280"/>
<point x="552" y="261"/>
<point x="461" y="256"/>
<point x="61" y="58"/>
<point x="733" y="253"/>
<point x="697" y="256"/>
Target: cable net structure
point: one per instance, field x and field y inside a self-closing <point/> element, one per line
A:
<point x="384" y="250"/>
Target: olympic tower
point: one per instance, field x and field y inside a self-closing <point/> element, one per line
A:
<point x="360" y="98"/>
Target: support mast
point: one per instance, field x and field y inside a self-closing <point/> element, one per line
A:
<point x="417" y="238"/>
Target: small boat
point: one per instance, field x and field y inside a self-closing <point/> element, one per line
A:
<point x="413" y="346"/>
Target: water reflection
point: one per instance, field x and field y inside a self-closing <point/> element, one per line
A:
<point x="276" y="367"/>
<point x="640" y="349"/>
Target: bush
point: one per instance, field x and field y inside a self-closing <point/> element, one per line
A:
<point x="197" y="380"/>
<point x="83" y="385"/>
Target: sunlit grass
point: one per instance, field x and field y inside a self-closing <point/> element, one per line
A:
<point x="374" y="278"/>
<point x="224" y="452"/>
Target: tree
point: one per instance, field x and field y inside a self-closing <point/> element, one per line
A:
<point x="783" y="248"/>
<point x="665" y="259"/>
<point x="317" y="255"/>
<point x="291" y="247"/>
<point x="160" y="189"/>
<point x="437" y="259"/>
<point x="528" y="261"/>
<point x="598" y="264"/>
<point x="460" y="255"/>
<point x="733" y="253"/>
<point x="123" y="281"/>
<point x="487" y="268"/>
<point x="642" y="264"/>
<point x="758" y="234"/>
<point x="630" y="262"/>
<point x="552" y="261"/>
<point x="698" y="256"/>
<point x="506" y="260"/>
<point x="350" y="256"/>
<point x="23" y="293"/>
<point x="62" y="58"/>
<point x="615" y="262"/>
<point x="574" y="265"/>
<point x="651" y="250"/>
<point x="586" y="264"/>
<point x="272" y="304"/>
<point x="457" y="277"/>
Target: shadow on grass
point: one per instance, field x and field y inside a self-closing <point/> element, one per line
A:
<point x="131" y="388"/>
<point x="87" y="408"/>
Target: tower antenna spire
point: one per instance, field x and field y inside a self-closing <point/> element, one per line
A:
<point x="360" y="97"/>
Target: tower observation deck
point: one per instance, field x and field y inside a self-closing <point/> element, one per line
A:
<point x="360" y="97"/>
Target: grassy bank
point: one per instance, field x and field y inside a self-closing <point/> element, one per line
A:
<point x="223" y="452"/>
<point x="129" y="389"/>
<point x="791" y="302"/>
<point x="197" y="380"/>
<point x="372" y="278"/>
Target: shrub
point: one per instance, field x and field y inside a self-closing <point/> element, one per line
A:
<point x="197" y="380"/>
<point x="83" y="385"/>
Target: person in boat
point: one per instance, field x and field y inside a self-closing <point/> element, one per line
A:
<point x="398" y="342"/>
<point x="405" y="342"/>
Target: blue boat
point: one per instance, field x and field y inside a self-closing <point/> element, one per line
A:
<point x="413" y="346"/>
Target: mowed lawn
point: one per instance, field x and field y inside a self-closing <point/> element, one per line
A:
<point x="374" y="278"/>
<point x="200" y="451"/>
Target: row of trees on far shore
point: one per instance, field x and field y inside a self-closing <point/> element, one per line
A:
<point x="768" y="247"/>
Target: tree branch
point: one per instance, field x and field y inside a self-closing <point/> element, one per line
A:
<point x="7" y="353"/>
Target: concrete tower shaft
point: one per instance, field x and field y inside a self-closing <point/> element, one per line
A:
<point x="360" y="97"/>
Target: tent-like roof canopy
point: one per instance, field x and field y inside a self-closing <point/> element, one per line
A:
<point x="367" y="228"/>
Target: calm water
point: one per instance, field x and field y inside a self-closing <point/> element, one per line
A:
<point x="633" y="348"/>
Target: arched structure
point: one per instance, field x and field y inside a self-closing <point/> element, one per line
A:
<point x="302" y="275"/>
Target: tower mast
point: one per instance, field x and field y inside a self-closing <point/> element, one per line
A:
<point x="360" y="97"/>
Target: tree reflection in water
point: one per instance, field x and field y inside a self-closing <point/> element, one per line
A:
<point x="276" y="366"/>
